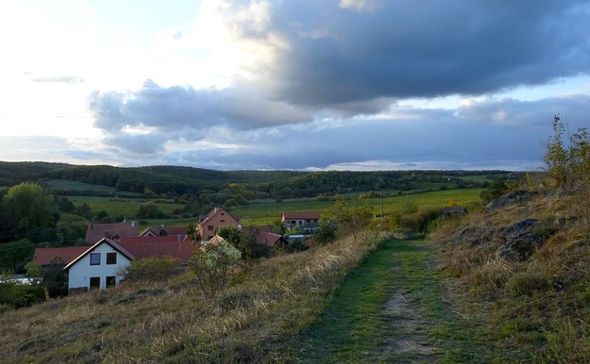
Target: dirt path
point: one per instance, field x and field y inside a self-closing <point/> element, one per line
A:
<point x="392" y="309"/>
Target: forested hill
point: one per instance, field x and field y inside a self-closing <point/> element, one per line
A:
<point x="176" y="181"/>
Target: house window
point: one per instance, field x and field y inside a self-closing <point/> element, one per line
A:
<point x="94" y="282"/>
<point x="221" y="220"/>
<point x="111" y="281"/>
<point x="210" y="227"/>
<point x="112" y="258"/>
<point x="222" y="213"/>
<point x="94" y="258"/>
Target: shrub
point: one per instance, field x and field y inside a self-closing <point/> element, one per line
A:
<point x="152" y="269"/>
<point x="17" y="295"/>
<point x="212" y="265"/>
<point x="325" y="233"/>
<point x="526" y="283"/>
<point x="419" y="221"/>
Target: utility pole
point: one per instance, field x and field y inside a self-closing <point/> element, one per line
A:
<point x="381" y="209"/>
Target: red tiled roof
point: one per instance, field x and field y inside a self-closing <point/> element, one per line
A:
<point x="216" y="211"/>
<point x="301" y="215"/>
<point x="95" y="232"/>
<point x="60" y="255"/>
<point x="146" y="247"/>
<point x="151" y="239"/>
<point x="159" y="247"/>
<point x="264" y="235"/>
<point x="175" y="230"/>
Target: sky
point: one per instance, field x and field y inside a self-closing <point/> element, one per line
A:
<point x="304" y="85"/>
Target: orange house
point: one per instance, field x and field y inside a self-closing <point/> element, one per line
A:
<point x="218" y="217"/>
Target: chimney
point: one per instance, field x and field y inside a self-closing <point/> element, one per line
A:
<point x="132" y="223"/>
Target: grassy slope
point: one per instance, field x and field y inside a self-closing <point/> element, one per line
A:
<point x="546" y="322"/>
<point x="354" y="328"/>
<point x="121" y="206"/>
<point x="257" y="319"/>
<point x="263" y="213"/>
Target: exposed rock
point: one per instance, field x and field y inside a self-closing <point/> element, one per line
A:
<point x="522" y="239"/>
<point x="453" y="211"/>
<point x="514" y="197"/>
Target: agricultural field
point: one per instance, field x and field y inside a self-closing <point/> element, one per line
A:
<point x="266" y="212"/>
<point x="126" y="207"/>
<point x="71" y="185"/>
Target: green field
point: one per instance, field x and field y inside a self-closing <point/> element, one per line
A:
<point x="266" y="212"/>
<point x="70" y="185"/>
<point x="126" y="207"/>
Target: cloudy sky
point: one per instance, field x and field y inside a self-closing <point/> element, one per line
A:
<point x="278" y="84"/>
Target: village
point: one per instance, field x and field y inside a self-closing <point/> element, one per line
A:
<point x="110" y="248"/>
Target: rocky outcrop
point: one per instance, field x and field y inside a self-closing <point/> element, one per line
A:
<point x="512" y="198"/>
<point x="520" y="240"/>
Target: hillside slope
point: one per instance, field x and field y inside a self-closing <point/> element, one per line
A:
<point x="524" y="262"/>
<point x="255" y="320"/>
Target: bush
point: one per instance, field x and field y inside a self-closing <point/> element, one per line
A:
<point x="296" y="245"/>
<point x="419" y="221"/>
<point x="17" y="295"/>
<point x="152" y="269"/>
<point x="212" y="265"/>
<point x="325" y="233"/>
<point x="526" y="283"/>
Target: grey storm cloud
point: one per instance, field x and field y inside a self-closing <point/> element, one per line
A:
<point x="171" y="108"/>
<point x="350" y="62"/>
<point x="470" y="137"/>
<point x="409" y="48"/>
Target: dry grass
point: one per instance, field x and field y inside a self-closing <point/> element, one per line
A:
<point x="267" y="305"/>
<point x="540" y="307"/>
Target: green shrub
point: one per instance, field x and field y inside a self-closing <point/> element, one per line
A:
<point x="526" y="283"/>
<point x="20" y="295"/>
<point x="212" y="265"/>
<point x="152" y="269"/>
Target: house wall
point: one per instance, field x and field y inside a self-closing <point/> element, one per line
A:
<point x="79" y="274"/>
<point x="222" y="218"/>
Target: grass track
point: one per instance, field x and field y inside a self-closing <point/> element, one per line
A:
<point x="354" y="328"/>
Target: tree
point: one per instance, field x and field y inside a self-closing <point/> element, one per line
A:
<point x="149" y="211"/>
<point x="352" y="219"/>
<point x="251" y="248"/>
<point x="556" y="155"/>
<point x="231" y="234"/>
<point x="31" y="212"/>
<point x="278" y="227"/>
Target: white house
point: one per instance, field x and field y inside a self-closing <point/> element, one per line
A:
<point x="100" y="266"/>
<point x="103" y="264"/>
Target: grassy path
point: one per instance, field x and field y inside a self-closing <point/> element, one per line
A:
<point x="392" y="308"/>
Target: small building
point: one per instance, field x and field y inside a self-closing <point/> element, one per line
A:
<point x="103" y="264"/>
<point x="306" y="222"/>
<point x="210" y="224"/>
<point x="95" y="232"/>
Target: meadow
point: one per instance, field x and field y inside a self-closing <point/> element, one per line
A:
<point x="266" y="212"/>
<point x="125" y="207"/>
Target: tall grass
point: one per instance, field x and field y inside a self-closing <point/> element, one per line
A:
<point x="266" y="307"/>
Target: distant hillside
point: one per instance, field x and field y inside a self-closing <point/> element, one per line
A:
<point x="237" y="185"/>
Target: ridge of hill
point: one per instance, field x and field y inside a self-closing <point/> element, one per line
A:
<point x="178" y="180"/>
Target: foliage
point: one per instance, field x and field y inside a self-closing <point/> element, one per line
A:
<point x="296" y="245"/>
<point x="54" y="280"/>
<point x="251" y="248"/>
<point x="30" y="212"/>
<point x="17" y="295"/>
<point x="212" y="265"/>
<point x="278" y="227"/>
<point x="149" y="211"/>
<point x="151" y="269"/>
<point x="420" y="221"/>
<point x="497" y="188"/>
<point x="231" y="234"/>
<point x="33" y="270"/>
<point x="325" y="233"/>
<point x="352" y="219"/>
